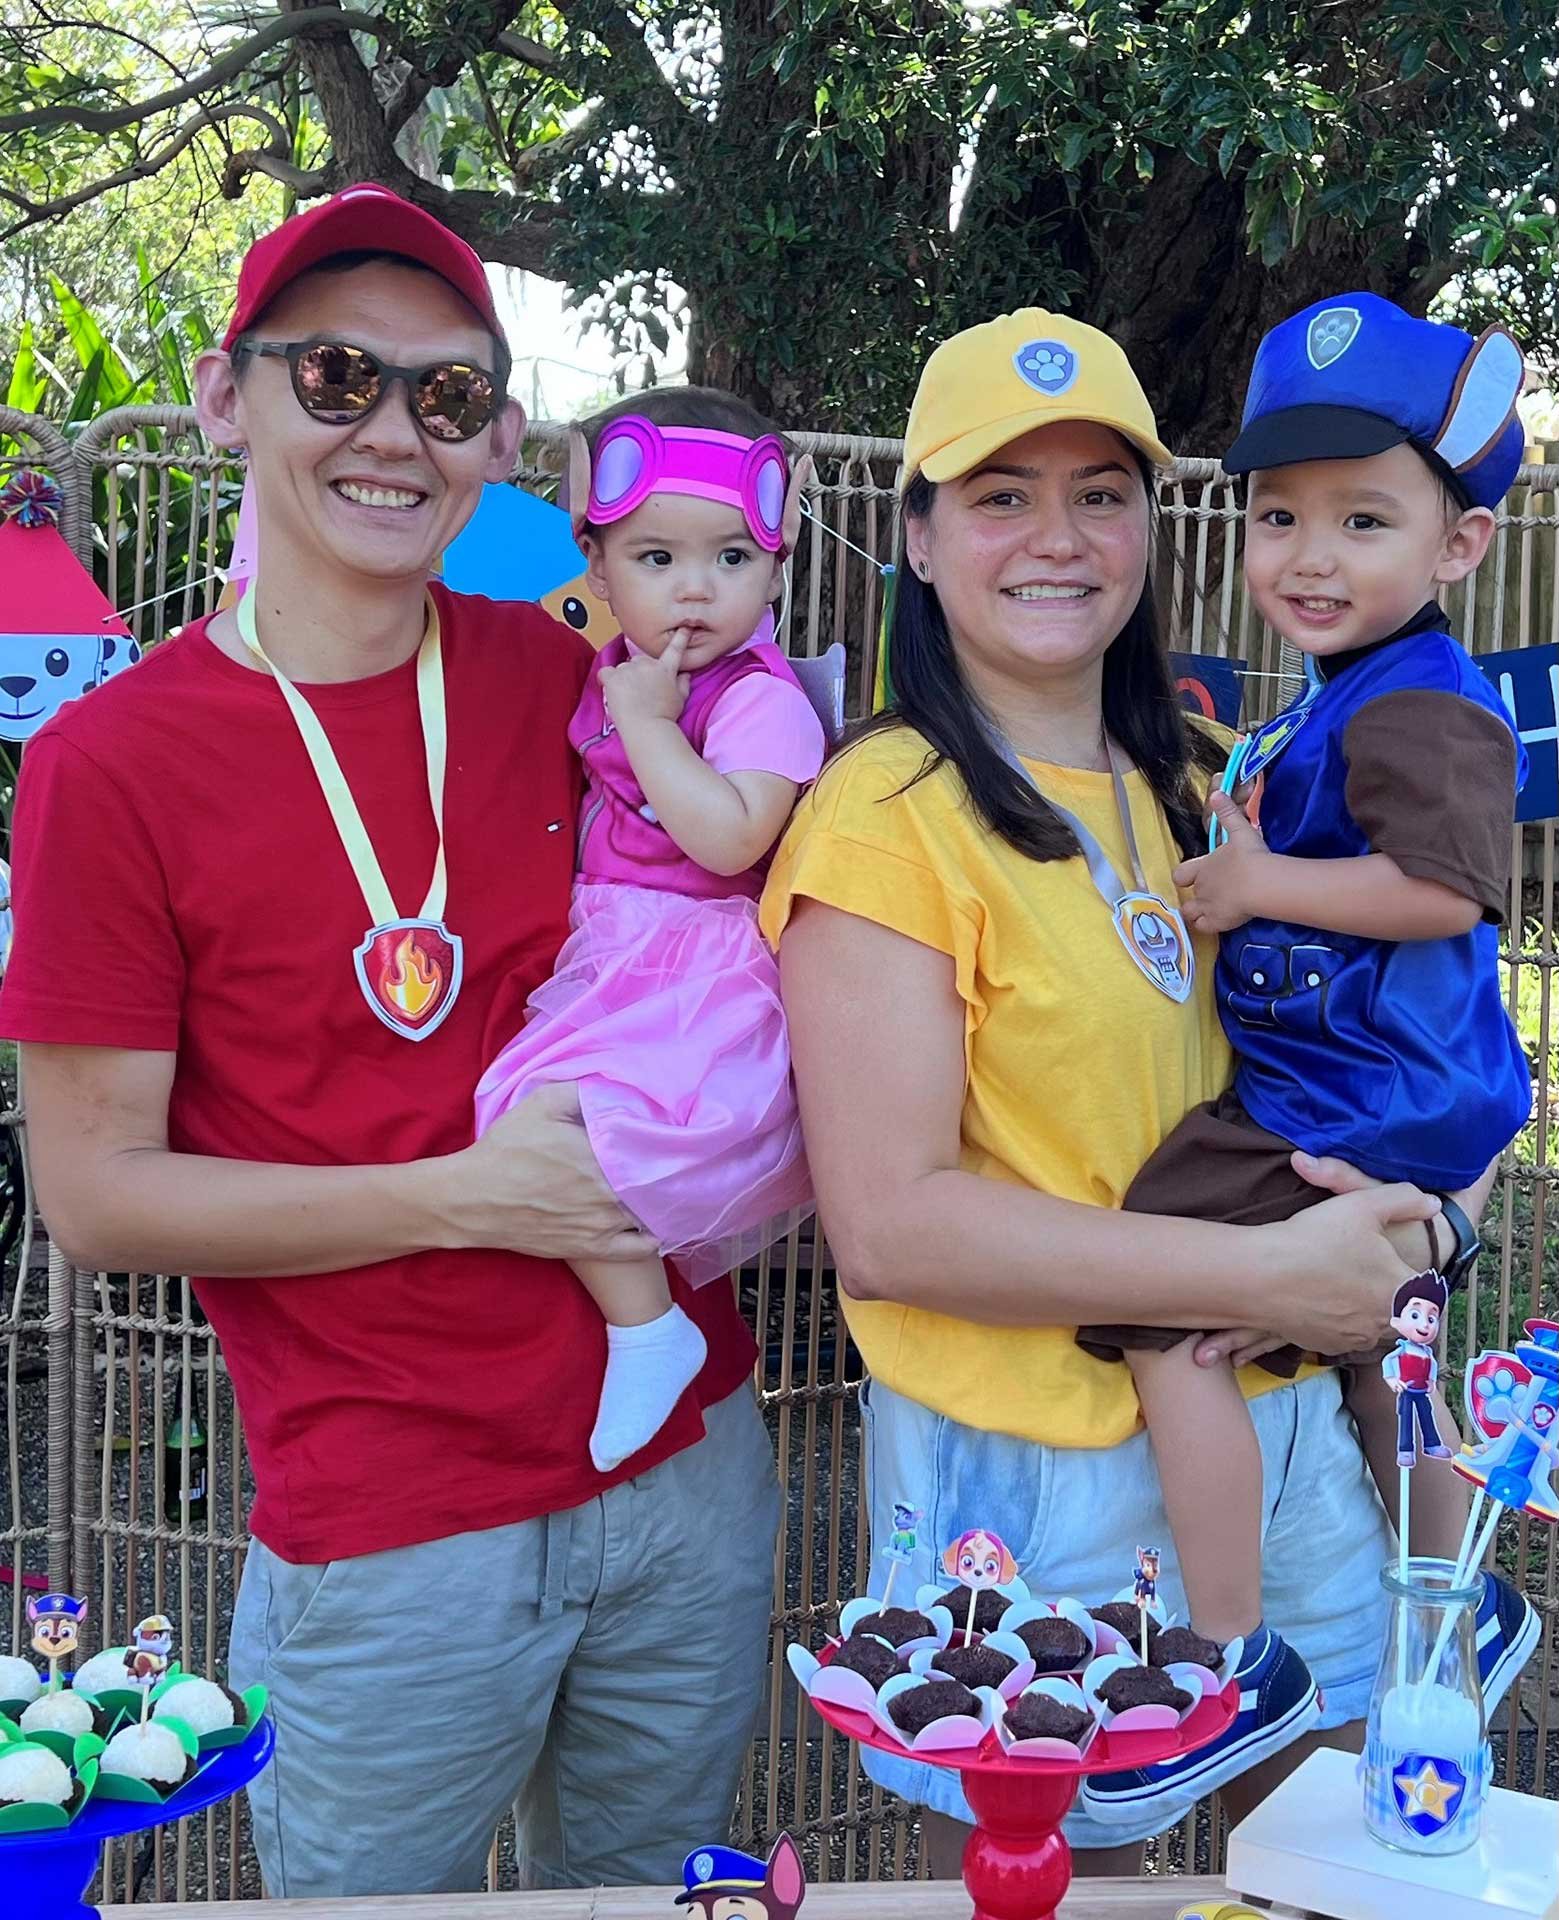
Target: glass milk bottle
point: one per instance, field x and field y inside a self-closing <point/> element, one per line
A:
<point x="1426" y="1756"/>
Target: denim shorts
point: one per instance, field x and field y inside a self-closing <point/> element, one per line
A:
<point x="1074" y="1518"/>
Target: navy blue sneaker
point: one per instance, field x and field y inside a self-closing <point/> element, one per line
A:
<point x="1279" y="1701"/>
<point x="1507" y="1630"/>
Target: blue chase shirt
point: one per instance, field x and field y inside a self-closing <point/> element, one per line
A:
<point x="1398" y="1056"/>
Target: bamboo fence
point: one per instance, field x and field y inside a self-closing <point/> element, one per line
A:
<point x="96" y="1364"/>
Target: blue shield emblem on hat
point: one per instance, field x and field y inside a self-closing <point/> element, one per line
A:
<point x="1049" y="366"/>
<point x="703" y="1868"/>
<point x="1330" y="334"/>
<point x="1428" y="1793"/>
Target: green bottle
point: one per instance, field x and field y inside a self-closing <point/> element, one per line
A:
<point x="176" y="1463"/>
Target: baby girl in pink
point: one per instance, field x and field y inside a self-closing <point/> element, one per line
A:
<point x="664" y="1006"/>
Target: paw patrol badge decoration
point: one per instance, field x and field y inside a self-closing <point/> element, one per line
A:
<point x="1151" y="931"/>
<point x="408" y="965"/>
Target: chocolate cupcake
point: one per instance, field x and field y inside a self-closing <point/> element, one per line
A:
<point x="989" y="1606"/>
<point x="1126" y="1619"/>
<point x="1180" y="1643"/>
<point x="1141" y="1687"/>
<point x="913" y="1710"/>
<point x="1036" y="1716"/>
<point x="1058" y="1645"/>
<point x="874" y="1660"/>
<point x="979" y="1666"/>
<point x="897" y="1625"/>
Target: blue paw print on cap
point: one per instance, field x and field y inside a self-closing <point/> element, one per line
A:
<point x="1047" y="365"/>
<point x="1331" y="334"/>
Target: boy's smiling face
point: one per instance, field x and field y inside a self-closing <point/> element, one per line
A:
<point x="1339" y="553"/>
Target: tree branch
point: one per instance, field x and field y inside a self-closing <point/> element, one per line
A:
<point x="615" y="28"/>
<point x="35" y="212"/>
<point x="530" y="53"/>
<point x="284" y="27"/>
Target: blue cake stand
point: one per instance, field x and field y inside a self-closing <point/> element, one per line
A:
<point x="45" y="1876"/>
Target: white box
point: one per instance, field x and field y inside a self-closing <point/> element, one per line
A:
<point x="1307" y="1847"/>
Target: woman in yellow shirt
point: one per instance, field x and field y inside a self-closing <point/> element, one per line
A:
<point x="996" y="1016"/>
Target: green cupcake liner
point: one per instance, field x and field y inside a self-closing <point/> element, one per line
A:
<point x="40" y="1818"/>
<point x="122" y="1786"/>
<point x="255" y="1701"/>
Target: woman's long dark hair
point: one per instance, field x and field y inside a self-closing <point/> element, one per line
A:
<point x="1141" y="711"/>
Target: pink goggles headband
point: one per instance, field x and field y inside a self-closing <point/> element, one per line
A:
<point x="634" y="458"/>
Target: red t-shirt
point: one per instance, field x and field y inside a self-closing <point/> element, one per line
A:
<point x="180" y="887"/>
<point x="1415" y="1367"/>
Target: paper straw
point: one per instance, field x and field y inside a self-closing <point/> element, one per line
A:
<point x="1450" y="1615"/>
<point x="974" y="1595"/>
<point x="1404" y="1508"/>
<point x="1469" y="1534"/>
<point x="893" y="1567"/>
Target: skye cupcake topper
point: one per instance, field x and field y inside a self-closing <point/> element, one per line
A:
<point x="978" y="1560"/>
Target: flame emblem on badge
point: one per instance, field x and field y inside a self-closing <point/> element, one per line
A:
<point x="409" y="971"/>
<point x="412" y="981"/>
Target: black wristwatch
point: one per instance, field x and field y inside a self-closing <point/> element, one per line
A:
<point x="1468" y="1246"/>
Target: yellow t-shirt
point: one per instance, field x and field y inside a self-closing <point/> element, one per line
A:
<point x="1076" y="1067"/>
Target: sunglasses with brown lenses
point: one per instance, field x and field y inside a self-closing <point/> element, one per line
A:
<point x="338" y="384"/>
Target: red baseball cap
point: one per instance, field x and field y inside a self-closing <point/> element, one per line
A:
<point x="367" y="217"/>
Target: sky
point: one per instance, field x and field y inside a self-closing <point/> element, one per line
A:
<point x="561" y="368"/>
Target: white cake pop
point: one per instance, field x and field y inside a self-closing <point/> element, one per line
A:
<point x="200" y="1704"/>
<point x="103" y="1671"/>
<point x="19" y="1678"/>
<point x="34" y="1775"/>
<point x="61" y="1712"/>
<point x="152" y="1752"/>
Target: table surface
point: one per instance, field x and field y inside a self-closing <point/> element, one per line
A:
<point x="1150" y="1899"/>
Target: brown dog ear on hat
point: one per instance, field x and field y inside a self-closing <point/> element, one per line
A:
<point x="802" y="475"/>
<point x="575" y="495"/>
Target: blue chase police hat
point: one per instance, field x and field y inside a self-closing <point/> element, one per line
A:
<point x="720" y="1870"/>
<point x="1355" y="375"/>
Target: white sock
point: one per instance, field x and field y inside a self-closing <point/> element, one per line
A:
<point x="647" y="1369"/>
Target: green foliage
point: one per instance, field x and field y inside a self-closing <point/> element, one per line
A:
<point x="836" y="183"/>
<point x="95" y="375"/>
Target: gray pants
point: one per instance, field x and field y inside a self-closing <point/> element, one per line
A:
<point x="600" y="1669"/>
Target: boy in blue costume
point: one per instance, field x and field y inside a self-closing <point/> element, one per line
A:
<point x="1357" y="975"/>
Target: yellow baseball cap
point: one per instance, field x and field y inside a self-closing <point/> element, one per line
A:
<point x="995" y="382"/>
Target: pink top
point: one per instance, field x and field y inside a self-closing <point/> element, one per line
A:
<point x="745" y="713"/>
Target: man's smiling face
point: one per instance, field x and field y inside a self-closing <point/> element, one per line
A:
<point x="378" y="496"/>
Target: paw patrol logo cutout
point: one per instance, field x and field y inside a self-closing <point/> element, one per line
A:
<point x="1048" y="366"/>
<point x="1331" y="334"/>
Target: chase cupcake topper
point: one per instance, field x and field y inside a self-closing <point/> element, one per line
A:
<point x="56" y="1620"/>
<point x="721" y="1883"/>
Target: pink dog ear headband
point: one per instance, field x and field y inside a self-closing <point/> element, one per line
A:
<point x="634" y="458"/>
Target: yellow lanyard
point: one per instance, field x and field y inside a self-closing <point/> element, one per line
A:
<point x="409" y="966"/>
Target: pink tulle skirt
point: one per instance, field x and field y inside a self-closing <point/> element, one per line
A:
<point x="666" y="1012"/>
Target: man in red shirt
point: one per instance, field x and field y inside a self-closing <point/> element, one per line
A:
<point x="282" y="891"/>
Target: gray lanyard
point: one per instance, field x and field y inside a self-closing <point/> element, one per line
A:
<point x="1151" y="931"/>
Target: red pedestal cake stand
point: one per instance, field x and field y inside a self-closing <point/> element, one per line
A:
<point x="1017" y="1865"/>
